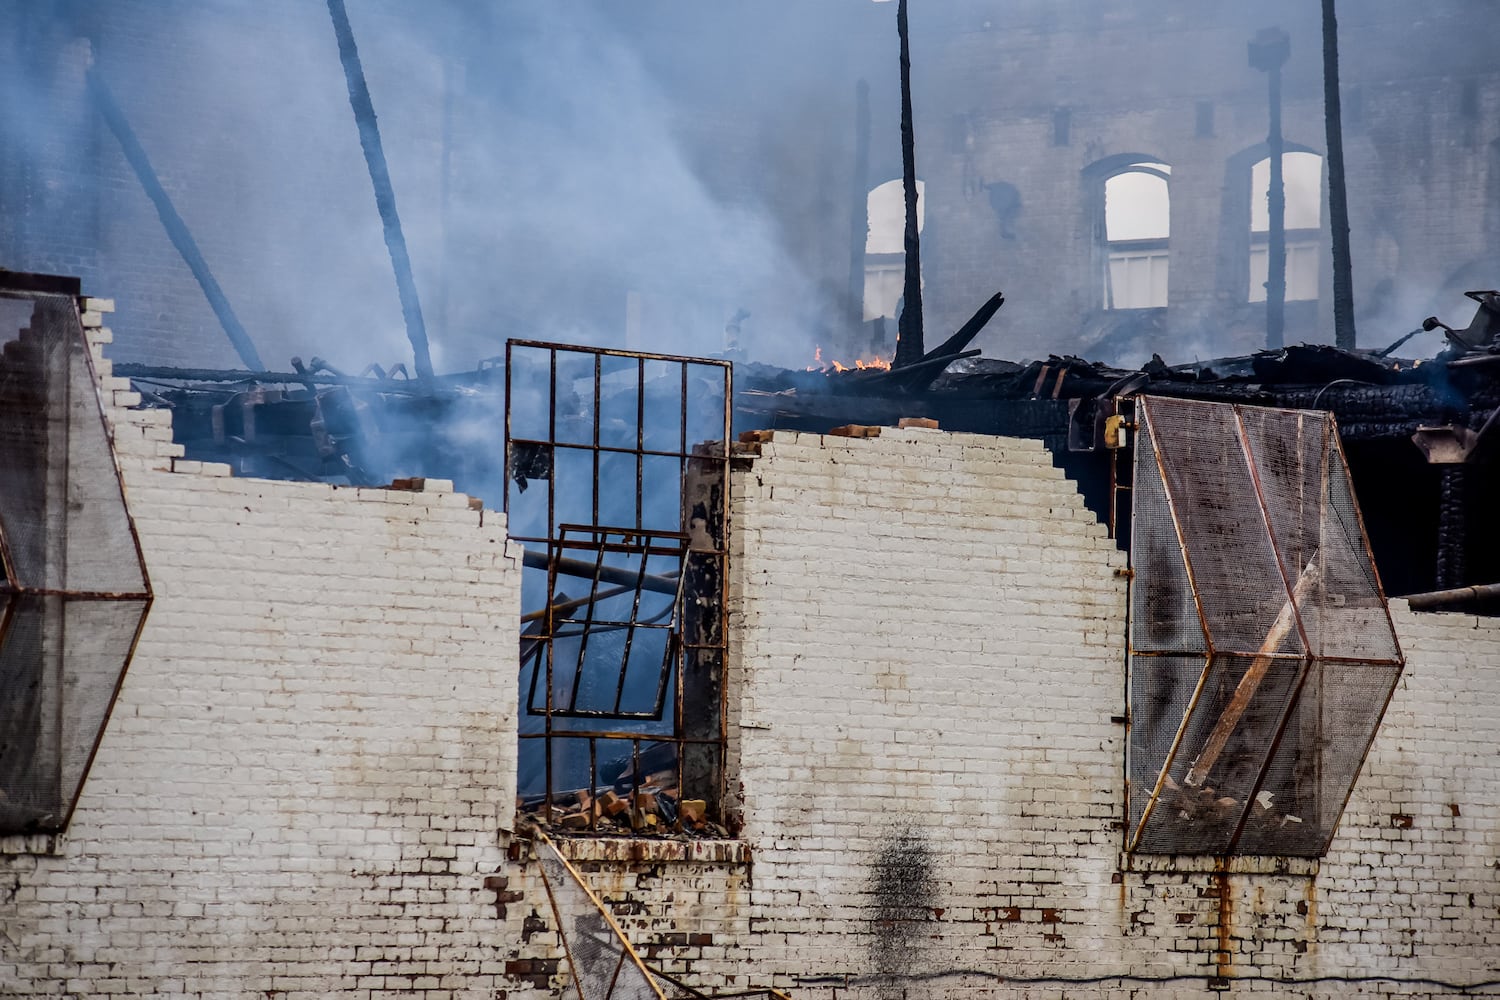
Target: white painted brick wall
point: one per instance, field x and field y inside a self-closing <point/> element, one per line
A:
<point x="301" y="787"/>
<point x="928" y="650"/>
<point x="305" y="777"/>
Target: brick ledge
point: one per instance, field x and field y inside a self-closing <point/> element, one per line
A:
<point x="1235" y="865"/>
<point x="632" y="849"/>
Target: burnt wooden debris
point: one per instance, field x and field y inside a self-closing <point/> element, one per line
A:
<point x="909" y="325"/>
<point x="1418" y="433"/>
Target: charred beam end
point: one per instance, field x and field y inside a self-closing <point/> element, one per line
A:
<point x="46" y="284"/>
<point x="385" y="194"/>
<point x="909" y="328"/>
<point x="177" y="230"/>
<point x="229" y="376"/>
<point x="604" y="574"/>
<point x="913" y="378"/>
<point x="953" y="345"/>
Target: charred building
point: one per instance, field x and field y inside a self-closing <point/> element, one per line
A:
<point x="718" y="652"/>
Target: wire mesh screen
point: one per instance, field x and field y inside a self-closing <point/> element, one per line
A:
<point x="1164" y="612"/>
<point x="74" y="592"/>
<point x="1262" y="650"/>
<point x="617" y="471"/>
<point x="601" y="963"/>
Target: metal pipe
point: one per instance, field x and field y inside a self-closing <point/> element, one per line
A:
<point x="177" y="230"/>
<point x="1442" y="598"/>
<point x="1276" y="202"/>
<point x="1268" y="53"/>
<point x="604" y="574"/>
<point x="859" y="207"/>
<point x="385" y="194"/>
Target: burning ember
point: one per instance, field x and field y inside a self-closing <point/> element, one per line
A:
<point x="872" y="363"/>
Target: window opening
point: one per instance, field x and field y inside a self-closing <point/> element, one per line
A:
<point x="1262" y="653"/>
<point x="73" y="590"/>
<point x="1137" y="227"/>
<point x="1302" y="176"/>
<point x="885" y="247"/>
<point x="617" y="467"/>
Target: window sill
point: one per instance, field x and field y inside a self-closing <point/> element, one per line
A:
<point x="641" y="849"/>
<point x="32" y="843"/>
<point x="1250" y="864"/>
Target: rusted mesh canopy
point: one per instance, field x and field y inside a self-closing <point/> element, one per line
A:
<point x="73" y="591"/>
<point x="1262" y="650"/>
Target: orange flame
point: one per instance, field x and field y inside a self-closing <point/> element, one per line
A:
<point x="873" y="363"/>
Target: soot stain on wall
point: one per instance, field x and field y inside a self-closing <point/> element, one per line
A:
<point x="903" y="892"/>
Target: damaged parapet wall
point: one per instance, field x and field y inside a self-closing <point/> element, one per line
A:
<point x="300" y="789"/>
<point x="927" y="701"/>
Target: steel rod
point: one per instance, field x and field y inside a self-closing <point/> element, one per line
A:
<point x="1276" y="203"/>
<point x="859" y="207"/>
<point x="607" y="574"/>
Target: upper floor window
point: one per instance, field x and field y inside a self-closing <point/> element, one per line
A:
<point x="1137" y="227"/>
<point x="885" y="247"/>
<point x="1302" y="178"/>
<point x="617" y="467"/>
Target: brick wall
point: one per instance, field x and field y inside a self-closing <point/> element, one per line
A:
<point x="926" y="696"/>
<point x="301" y="789"/>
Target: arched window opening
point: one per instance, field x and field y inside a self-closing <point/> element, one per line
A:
<point x="1302" y="178"/>
<point x="1137" y="227"/>
<point x="885" y="247"/>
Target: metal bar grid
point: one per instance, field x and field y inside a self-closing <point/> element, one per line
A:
<point x="581" y="423"/>
<point x="558" y="622"/>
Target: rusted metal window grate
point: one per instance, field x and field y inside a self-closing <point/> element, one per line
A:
<point x="630" y="625"/>
<point x="73" y="590"/>
<point x="617" y="468"/>
<point x="1262" y="654"/>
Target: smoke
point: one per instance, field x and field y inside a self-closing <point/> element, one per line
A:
<point x="538" y="161"/>
<point x="639" y="174"/>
